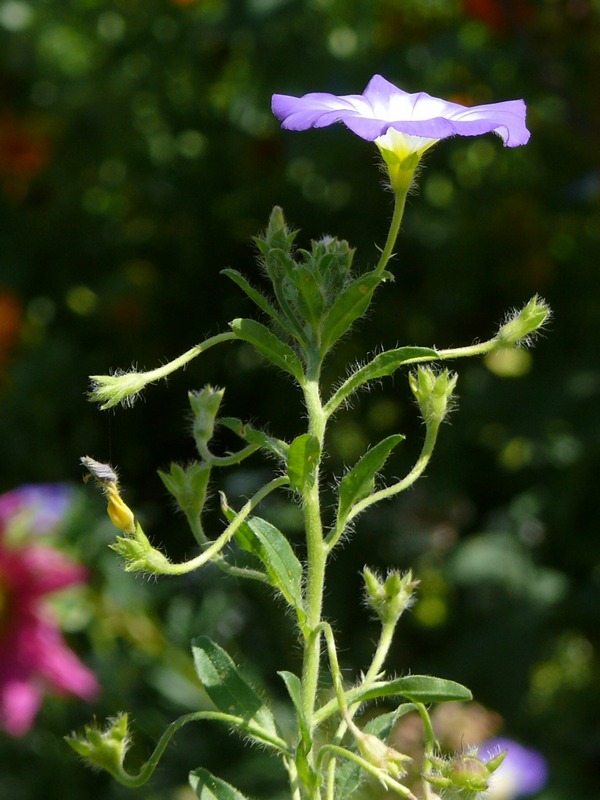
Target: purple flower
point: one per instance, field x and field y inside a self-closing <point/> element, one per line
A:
<point x="42" y="505"/>
<point x="402" y="125"/>
<point x="34" y="657"/>
<point x="384" y="106"/>
<point x="523" y="771"/>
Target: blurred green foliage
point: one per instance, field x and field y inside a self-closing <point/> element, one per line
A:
<point x="137" y="157"/>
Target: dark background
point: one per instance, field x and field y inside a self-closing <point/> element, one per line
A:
<point x="138" y="156"/>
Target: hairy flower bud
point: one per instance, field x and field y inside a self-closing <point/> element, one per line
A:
<point x="463" y="776"/>
<point x="391" y="597"/>
<point x="521" y="325"/>
<point x="104" y="749"/>
<point x="433" y="391"/>
<point x="384" y="758"/>
<point x="205" y="407"/>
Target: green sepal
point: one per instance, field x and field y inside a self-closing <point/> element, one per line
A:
<point x="274" y="350"/>
<point x="189" y="486"/>
<point x="270" y="546"/>
<point x="381" y="366"/>
<point x="417" y="688"/>
<point x="360" y="481"/>
<point x="209" y="787"/>
<point x="351" y="303"/>
<point x="281" y="270"/>
<point x="349" y="774"/>
<point x="254" y="436"/>
<point x="226" y="687"/>
<point x="303" y="458"/>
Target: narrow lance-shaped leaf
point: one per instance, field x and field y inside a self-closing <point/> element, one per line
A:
<point x="294" y="686"/>
<point x="351" y="304"/>
<point x="274" y="350"/>
<point x="281" y="266"/>
<point x="310" y="298"/>
<point x="254" y="436"/>
<point x="226" y="687"/>
<point x="360" y="481"/>
<point x="270" y="546"/>
<point x="303" y="457"/>
<point x="418" y="689"/>
<point x="209" y="787"/>
<point x="382" y="365"/>
<point x="258" y="299"/>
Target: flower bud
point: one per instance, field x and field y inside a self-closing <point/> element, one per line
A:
<point x="384" y="758"/>
<point x="106" y="748"/>
<point x="389" y="598"/>
<point x="433" y="391"/>
<point x="119" y="512"/>
<point x="521" y="325"/>
<point x="465" y="775"/>
<point x="205" y="406"/>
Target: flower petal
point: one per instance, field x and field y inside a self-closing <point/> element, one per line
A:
<point x="524" y="771"/>
<point x="20" y="700"/>
<point x="383" y="106"/>
<point x="59" y="665"/>
<point x="35" y="571"/>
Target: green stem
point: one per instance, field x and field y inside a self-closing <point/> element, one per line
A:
<point x="386" y="253"/>
<point x="110" y="390"/>
<point x="316" y="556"/>
<point x="365" y="375"/>
<point x="169" y="568"/>
<point x="430" y="745"/>
<point x="383" y="646"/>
<point x="248" y="727"/>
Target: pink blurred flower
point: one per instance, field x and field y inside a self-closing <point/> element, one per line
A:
<point x="34" y="658"/>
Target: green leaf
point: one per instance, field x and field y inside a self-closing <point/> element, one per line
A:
<point x="360" y="481"/>
<point x="349" y="774"/>
<point x="381" y="366"/>
<point x="270" y="546"/>
<point x="310" y="299"/>
<point x="294" y="686"/>
<point x="208" y="787"/>
<point x="303" y="457"/>
<point x="418" y="689"/>
<point x="258" y="299"/>
<point x="274" y="350"/>
<point x="226" y="687"/>
<point x="351" y="304"/>
<point x="253" y="436"/>
<point x="281" y="269"/>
